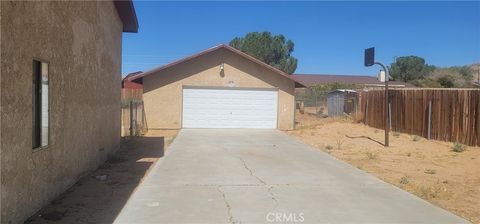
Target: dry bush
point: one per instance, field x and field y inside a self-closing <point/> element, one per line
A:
<point x="371" y="155"/>
<point x="429" y="192"/>
<point x="416" y="138"/>
<point x="404" y="180"/>
<point x="457" y="147"/>
<point x="340" y="142"/>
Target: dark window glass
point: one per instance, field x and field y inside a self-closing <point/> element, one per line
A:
<point x="40" y="105"/>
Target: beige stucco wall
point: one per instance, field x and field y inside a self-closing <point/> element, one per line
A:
<point x="82" y="43"/>
<point x="163" y="90"/>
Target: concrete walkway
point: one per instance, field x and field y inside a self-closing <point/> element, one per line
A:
<point x="264" y="176"/>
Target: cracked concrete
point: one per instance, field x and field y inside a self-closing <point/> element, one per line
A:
<point x="242" y="176"/>
<point x="269" y="187"/>
<point x="229" y="209"/>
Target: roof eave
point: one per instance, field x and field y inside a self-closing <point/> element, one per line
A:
<point x="126" y="12"/>
<point x="139" y="77"/>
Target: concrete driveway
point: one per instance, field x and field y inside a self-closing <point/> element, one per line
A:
<point x="264" y="176"/>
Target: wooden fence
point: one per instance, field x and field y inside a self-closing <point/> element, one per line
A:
<point x="444" y="114"/>
<point x="133" y="113"/>
<point x="129" y="95"/>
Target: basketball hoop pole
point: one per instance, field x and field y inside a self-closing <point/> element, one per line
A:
<point x="369" y="60"/>
<point x="387" y="117"/>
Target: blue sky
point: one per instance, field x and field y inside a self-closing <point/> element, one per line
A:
<point x="329" y="37"/>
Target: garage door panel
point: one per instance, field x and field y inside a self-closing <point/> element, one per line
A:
<point x="229" y="108"/>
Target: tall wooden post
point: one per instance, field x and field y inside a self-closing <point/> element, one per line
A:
<point x="387" y="112"/>
<point x="429" y="119"/>
<point x="131" y="118"/>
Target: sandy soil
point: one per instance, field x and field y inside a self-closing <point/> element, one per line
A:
<point x="426" y="168"/>
<point x="92" y="200"/>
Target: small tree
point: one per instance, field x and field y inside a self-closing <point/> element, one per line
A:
<point x="273" y="50"/>
<point x="446" y="81"/>
<point x="410" y="68"/>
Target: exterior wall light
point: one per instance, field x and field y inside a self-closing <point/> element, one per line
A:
<point x="222" y="70"/>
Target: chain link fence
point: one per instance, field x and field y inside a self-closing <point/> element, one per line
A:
<point x="325" y="102"/>
<point x="312" y="101"/>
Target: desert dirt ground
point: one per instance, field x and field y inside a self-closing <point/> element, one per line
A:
<point x="93" y="200"/>
<point x="427" y="168"/>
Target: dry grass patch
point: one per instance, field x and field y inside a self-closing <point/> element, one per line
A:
<point x="443" y="173"/>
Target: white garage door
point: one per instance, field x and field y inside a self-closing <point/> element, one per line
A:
<point x="229" y="108"/>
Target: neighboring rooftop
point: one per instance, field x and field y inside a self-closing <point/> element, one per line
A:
<point x="318" y="79"/>
<point x="126" y="83"/>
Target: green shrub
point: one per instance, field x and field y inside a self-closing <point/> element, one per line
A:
<point x="457" y="147"/>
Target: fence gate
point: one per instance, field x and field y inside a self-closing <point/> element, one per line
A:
<point x="133" y="119"/>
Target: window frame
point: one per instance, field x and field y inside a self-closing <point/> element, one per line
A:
<point x="36" y="148"/>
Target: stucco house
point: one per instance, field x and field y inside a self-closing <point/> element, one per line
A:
<point x="60" y="96"/>
<point x="221" y="87"/>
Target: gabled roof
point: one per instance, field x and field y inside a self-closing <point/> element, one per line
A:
<point x="127" y="14"/>
<point x="138" y="77"/>
<point x="129" y="84"/>
<point x="317" y="79"/>
<point x="132" y="74"/>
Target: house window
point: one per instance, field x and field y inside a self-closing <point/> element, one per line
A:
<point x="40" y="105"/>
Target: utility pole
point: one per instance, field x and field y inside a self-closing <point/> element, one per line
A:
<point x="369" y="61"/>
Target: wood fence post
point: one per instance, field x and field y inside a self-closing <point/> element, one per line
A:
<point x="429" y="119"/>
<point x="390" y="115"/>
<point x="366" y="112"/>
<point x="131" y="118"/>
